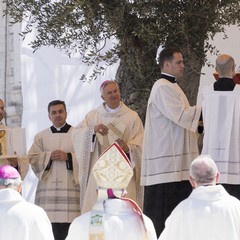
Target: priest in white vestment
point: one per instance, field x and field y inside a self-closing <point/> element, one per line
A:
<point x="170" y="141"/>
<point x="12" y="145"/>
<point x="20" y="219"/>
<point x="221" y="114"/>
<point x="111" y="121"/>
<point x="53" y="161"/>
<point x="209" y="213"/>
<point x="113" y="217"/>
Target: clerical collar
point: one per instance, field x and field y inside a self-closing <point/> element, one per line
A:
<point x="224" y="84"/>
<point x="168" y="77"/>
<point x="63" y="129"/>
<point x="111" y="110"/>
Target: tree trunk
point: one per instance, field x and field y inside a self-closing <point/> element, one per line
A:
<point x="191" y="78"/>
<point x="136" y="74"/>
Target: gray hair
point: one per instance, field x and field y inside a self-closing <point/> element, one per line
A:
<point x="203" y="170"/>
<point x="10" y="183"/>
<point x="105" y="83"/>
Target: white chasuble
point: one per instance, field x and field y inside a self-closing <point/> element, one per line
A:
<point x="125" y="124"/>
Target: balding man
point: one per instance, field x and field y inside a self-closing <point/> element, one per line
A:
<point x="225" y="66"/>
<point x="209" y="212"/>
<point x="221" y="114"/>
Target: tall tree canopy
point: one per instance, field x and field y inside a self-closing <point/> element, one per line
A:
<point x="140" y="26"/>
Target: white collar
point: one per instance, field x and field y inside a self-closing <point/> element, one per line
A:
<point x="59" y="128"/>
<point x="111" y="110"/>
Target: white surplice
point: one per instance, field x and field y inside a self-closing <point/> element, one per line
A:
<point x="170" y="138"/>
<point x="221" y="117"/>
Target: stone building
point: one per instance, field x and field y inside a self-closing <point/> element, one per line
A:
<point x="10" y="69"/>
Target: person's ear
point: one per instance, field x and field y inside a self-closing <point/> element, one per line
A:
<point x="192" y="182"/>
<point x="217" y="177"/>
<point x="234" y="68"/>
<point x="167" y="63"/>
<point x="19" y="188"/>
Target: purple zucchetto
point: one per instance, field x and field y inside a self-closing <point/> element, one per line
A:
<point x="8" y="172"/>
<point x="105" y="83"/>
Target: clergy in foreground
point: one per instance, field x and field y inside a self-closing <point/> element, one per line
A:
<point x="111" y="121"/>
<point x="19" y="219"/>
<point x="53" y="161"/>
<point x="113" y="217"/>
<point x="221" y="114"/>
<point x="209" y="213"/>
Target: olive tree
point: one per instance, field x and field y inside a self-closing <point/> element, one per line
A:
<point x="139" y="26"/>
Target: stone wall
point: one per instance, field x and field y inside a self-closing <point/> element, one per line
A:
<point x="10" y="70"/>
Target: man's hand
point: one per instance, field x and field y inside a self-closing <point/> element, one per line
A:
<point x="58" y="155"/>
<point x="101" y="128"/>
<point x="123" y="145"/>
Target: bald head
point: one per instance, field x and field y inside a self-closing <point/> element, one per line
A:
<point x="225" y="66"/>
<point x="203" y="171"/>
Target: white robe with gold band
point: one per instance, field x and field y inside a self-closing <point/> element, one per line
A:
<point x="130" y="130"/>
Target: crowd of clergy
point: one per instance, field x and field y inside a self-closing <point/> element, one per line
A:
<point x="111" y="178"/>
